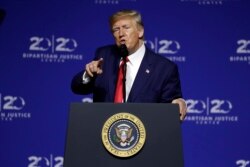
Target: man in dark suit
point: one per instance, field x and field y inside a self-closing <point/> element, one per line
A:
<point x="150" y="78"/>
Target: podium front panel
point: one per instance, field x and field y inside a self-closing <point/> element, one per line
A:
<point x="163" y="145"/>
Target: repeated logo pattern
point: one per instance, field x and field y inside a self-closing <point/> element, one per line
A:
<point x="52" y="49"/>
<point x="13" y="107"/>
<point x="210" y="111"/>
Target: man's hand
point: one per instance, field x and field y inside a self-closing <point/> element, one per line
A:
<point x="94" y="67"/>
<point x="182" y="106"/>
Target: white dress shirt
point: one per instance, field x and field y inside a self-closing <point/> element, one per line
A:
<point x="133" y="65"/>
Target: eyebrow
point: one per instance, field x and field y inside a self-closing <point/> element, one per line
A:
<point x="118" y="27"/>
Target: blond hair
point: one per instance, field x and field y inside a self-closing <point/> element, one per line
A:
<point x="126" y="14"/>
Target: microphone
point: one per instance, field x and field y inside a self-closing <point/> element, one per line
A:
<point x="123" y="51"/>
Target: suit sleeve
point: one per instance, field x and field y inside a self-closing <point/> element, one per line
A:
<point x="172" y="86"/>
<point x="77" y="85"/>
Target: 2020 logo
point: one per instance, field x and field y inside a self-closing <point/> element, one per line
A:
<point x="244" y="46"/>
<point x="210" y="111"/>
<point x="168" y="48"/>
<point x="40" y="161"/>
<point x="164" y="46"/>
<point x="13" y="102"/>
<point x="12" y="107"/>
<point x="52" y="49"/>
<point x="242" y="51"/>
<point x="214" y="106"/>
<point x="60" y="44"/>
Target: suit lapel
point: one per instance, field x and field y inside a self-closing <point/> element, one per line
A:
<point x="113" y="66"/>
<point x="141" y="78"/>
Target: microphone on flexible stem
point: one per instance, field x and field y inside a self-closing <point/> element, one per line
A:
<point x="123" y="51"/>
<point x="124" y="54"/>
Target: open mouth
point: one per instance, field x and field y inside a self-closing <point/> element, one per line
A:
<point x="122" y="42"/>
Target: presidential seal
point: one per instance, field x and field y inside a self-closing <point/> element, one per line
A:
<point x="123" y="135"/>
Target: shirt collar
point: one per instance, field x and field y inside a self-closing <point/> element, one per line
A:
<point x="137" y="56"/>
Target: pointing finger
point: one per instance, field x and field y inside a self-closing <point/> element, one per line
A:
<point x="88" y="70"/>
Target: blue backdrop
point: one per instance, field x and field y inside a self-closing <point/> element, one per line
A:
<point x="44" y="43"/>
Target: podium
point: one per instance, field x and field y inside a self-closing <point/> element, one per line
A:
<point x="87" y="123"/>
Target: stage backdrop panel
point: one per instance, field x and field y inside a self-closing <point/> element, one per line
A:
<point x="44" y="43"/>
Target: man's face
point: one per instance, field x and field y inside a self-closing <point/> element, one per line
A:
<point x="126" y="31"/>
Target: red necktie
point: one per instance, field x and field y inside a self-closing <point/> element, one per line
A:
<point x="119" y="84"/>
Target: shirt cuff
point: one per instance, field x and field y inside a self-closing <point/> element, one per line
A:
<point x="85" y="78"/>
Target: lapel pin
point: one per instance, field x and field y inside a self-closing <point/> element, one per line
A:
<point x="147" y="71"/>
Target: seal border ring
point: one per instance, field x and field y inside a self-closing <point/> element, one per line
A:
<point x="105" y="134"/>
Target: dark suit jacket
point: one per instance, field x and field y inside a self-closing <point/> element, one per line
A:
<point x="157" y="80"/>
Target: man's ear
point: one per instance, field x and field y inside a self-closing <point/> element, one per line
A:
<point x="141" y="32"/>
